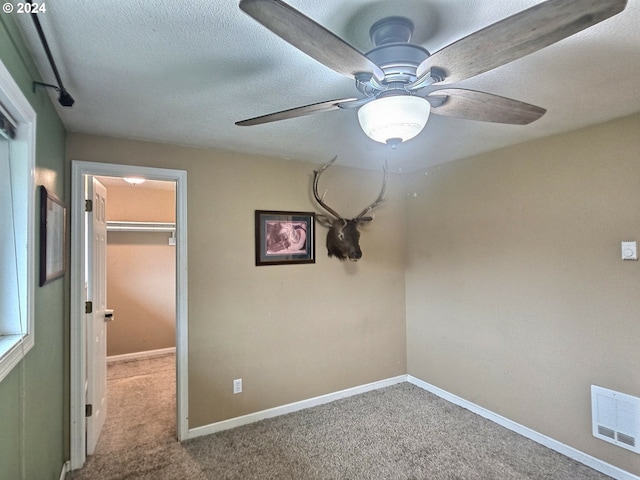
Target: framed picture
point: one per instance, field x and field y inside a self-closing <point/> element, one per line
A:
<point x="53" y="213"/>
<point x="285" y="237"/>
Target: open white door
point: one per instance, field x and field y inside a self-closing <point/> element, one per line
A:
<point x="96" y="282"/>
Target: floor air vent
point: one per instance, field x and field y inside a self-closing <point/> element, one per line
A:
<point x="616" y="418"/>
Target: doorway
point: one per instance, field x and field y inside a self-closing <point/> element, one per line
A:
<point x="140" y="321"/>
<point x="81" y="355"/>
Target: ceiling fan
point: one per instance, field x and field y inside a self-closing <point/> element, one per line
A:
<point x="399" y="79"/>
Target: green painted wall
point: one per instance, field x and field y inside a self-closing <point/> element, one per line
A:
<point x="34" y="405"/>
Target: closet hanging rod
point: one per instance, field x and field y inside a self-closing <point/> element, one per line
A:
<point x="115" y="226"/>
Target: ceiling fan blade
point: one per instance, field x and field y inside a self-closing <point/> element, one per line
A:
<point x="485" y="107"/>
<point x="299" y="112"/>
<point x="310" y="37"/>
<point x="516" y="36"/>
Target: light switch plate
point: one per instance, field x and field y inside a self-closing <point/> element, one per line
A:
<point x="629" y="250"/>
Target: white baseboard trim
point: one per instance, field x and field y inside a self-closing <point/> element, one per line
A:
<point x="548" y="442"/>
<point x="140" y="355"/>
<point x="66" y="468"/>
<point x="292" y="407"/>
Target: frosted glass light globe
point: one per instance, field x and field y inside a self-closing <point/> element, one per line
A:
<point x="394" y="119"/>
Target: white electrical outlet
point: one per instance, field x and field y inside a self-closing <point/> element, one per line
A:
<point x="237" y="385"/>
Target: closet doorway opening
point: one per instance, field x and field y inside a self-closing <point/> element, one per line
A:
<point x="141" y="312"/>
<point x="138" y="311"/>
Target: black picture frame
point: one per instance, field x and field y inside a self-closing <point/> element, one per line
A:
<point x="284" y="237"/>
<point x="53" y="251"/>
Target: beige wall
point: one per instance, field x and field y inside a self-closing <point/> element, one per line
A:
<point x="141" y="274"/>
<point x="290" y="332"/>
<point x="517" y="297"/>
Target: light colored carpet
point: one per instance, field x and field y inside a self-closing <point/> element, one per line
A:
<point x="399" y="432"/>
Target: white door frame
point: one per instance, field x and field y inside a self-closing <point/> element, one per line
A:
<point x="79" y="170"/>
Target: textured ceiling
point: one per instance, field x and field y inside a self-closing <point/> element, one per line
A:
<point x="183" y="72"/>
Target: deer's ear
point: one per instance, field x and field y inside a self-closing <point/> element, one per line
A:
<point x="324" y="220"/>
<point x="365" y="219"/>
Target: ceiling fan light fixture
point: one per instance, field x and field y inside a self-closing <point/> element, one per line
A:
<point x="394" y="119"/>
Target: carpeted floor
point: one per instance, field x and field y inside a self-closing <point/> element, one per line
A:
<point x="399" y="432"/>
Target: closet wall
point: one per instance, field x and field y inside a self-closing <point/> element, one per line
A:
<point x="140" y="269"/>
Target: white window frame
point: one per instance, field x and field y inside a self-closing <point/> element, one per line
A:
<point x="15" y="347"/>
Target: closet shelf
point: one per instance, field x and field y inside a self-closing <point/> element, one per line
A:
<point x="113" y="226"/>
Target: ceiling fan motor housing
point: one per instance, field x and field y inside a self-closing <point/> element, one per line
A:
<point x="393" y="53"/>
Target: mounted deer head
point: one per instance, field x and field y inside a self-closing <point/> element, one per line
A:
<point x="343" y="237"/>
